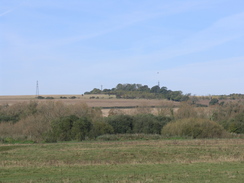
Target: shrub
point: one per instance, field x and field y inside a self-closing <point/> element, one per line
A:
<point x="69" y="128"/>
<point x="231" y="116"/>
<point x="149" y="124"/>
<point x="101" y="128"/>
<point x="236" y="124"/>
<point x="44" y="121"/>
<point x="186" y="110"/>
<point x="213" y="101"/>
<point x="49" y="98"/>
<point x="81" y="128"/>
<point x="194" y="128"/>
<point x="61" y="128"/>
<point x="121" y="123"/>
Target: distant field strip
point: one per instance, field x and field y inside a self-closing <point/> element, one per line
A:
<point x="100" y="102"/>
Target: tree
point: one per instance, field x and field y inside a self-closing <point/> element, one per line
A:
<point x="101" y="128"/>
<point x="61" y="128"/>
<point x="144" y="88"/>
<point x="81" y="128"/>
<point x="149" y="124"/>
<point x="213" y="101"/>
<point x="95" y="91"/>
<point x="155" y="89"/>
<point x="236" y="124"/>
<point x="121" y="123"/>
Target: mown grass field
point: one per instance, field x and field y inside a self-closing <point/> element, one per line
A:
<point x="211" y="160"/>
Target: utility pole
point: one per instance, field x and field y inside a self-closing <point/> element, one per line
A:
<point x="37" y="89"/>
<point x="158" y="83"/>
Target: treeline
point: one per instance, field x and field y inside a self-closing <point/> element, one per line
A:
<point x="52" y="121"/>
<point x="233" y="96"/>
<point x="132" y="91"/>
<point x="80" y="128"/>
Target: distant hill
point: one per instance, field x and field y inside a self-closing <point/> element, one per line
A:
<point x="139" y="91"/>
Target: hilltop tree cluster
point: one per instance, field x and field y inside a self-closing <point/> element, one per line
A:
<point x="132" y="91"/>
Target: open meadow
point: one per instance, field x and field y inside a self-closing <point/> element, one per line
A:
<point x="210" y="160"/>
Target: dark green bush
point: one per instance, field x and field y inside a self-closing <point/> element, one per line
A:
<point x="101" y="128"/>
<point x="5" y="118"/>
<point x="81" y="128"/>
<point x="69" y="128"/>
<point x="140" y="123"/>
<point x="61" y="128"/>
<point x="149" y="124"/>
<point x="236" y="124"/>
<point x="213" y="101"/>
<point x="121" y="123"/>
<point x="49" y="98"/>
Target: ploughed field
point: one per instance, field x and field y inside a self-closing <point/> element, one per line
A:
<point x="105" y="102"/>
<point x="90" y="100"/>
<point x="211" y="160"/>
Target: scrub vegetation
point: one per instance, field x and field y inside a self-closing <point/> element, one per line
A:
<point x="53" y="121"/>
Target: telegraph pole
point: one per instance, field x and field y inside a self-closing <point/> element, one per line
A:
<point x="37" y="89"/>
<point x="158" y="83"/>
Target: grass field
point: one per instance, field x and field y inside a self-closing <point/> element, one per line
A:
<point x="213" y="160"/>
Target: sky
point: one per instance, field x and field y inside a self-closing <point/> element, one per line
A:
<point x="70" y="47"/>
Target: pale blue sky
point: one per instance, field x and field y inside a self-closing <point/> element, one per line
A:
<point x="70" y="47"/>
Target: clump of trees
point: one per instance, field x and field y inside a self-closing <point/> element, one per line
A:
<point x="140" y="123"/>
<point x="34" y="120"/>
<point x="69" y="128"/>
<point x="51" y="121"/>
<point x="41" y="97"/>
<point x="213" y="101"/>
<point x="231" y="116"/>
<point x="132" y="91"/>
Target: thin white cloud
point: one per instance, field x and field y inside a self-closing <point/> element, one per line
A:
<point x="11" y="6"/>
<point x="221" y="32"/>
<point x="7" y="12"/>
<point x="126" y="19"/>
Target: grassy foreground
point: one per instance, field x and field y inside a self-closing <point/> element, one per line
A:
<point x="213" y="160"/>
